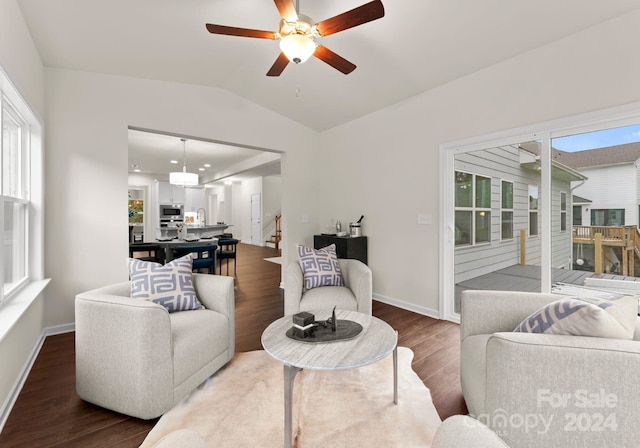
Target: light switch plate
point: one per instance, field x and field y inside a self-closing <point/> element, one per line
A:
<point x="424" y="218"/>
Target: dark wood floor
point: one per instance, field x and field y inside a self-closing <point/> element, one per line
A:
<point x="48" y="413"/>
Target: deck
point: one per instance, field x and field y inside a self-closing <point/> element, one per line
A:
<point x="528" y="278"/>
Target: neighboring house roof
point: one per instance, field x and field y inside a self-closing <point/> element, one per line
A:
<point x="610" y="155"/>
<point x="580" y="200"/>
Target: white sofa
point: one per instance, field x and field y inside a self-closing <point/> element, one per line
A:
<point x="134" y="357"/>
<point x="356" y="295"/>
<point x="537" y="390"/>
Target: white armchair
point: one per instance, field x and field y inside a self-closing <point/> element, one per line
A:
<point x="543" y="389"/>
<point x="136" y="358"/>
<point x="356" y="295"/>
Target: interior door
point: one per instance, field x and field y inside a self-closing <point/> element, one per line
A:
<point x="256" y="214"/>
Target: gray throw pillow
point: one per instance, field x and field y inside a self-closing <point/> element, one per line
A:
<point x="320" y="267"/>
<point x="170" y="285"/>
<point x="613" y="318"/>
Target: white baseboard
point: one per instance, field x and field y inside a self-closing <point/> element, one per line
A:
<point x="24" y="374"/>
<point x="429" y="312"/>
<point x="59" y="329"/>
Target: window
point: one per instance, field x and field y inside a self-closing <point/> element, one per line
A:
<point x="506" y="205"/>
<point x="577" y="215"/>
<point x="607" y="217"/>
<point x="563" y="211"/>
<point x="533" y="210"/>
<point x="472" y="209"/>
<point x="22" y="197"/>
<point x="15" y="198"/>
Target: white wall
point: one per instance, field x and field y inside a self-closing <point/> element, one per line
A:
<point x="611" y="187"/>
<point x="87" y="116"/>
<point x="19" y="56"/>
<point x="385" y="165"/>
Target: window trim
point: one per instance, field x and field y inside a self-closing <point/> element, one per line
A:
<point x="532" y="211"/>
<point x="563" y="213"/>
<point x="32" y="196"/>
<point x="474" y="209"/>
<point x="508" y="210"/>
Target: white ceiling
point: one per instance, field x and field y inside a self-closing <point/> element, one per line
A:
<point x="418" y="45"/>
<point x="151" y="153"/>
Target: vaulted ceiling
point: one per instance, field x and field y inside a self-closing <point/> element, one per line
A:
<point x="416" y="46"/>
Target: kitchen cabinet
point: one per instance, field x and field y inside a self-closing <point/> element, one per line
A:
<point x="170" y="194"/>
<point x="193" y="199"/>
<point x="346" y="246"/>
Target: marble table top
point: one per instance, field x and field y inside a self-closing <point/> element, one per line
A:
<point x="375" y="342"/>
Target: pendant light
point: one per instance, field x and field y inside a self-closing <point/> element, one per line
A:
<point x="183" y="178"/>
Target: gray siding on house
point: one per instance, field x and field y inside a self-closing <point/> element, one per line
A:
<point x="503" y="163"/>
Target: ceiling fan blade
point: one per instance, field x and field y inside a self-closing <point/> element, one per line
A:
<point x="242" y="32"/>
<point x="278" y="67"/>
<point x="334" y="60"/>
<point x="287" y="10"/>
<point x="357" y="16"/>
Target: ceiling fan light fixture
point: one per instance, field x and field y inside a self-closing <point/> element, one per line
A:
<point x="297" y="47"/>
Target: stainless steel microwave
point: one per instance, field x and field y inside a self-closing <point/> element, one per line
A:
<point x="171" y="212"/>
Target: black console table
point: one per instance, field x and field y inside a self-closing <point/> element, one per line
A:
<point x="346" y="246"/>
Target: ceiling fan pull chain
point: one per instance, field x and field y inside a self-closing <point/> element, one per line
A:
<point x="298" y="88"/>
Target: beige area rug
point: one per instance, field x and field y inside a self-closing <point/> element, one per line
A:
<point x="242" y="405"/>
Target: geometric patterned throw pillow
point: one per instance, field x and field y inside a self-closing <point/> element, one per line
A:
<point x="170" y="285"/>
<point x="320" y="267"/>
<point x="612" y="318"/>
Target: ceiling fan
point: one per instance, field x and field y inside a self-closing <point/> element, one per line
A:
<point x="297" y="34"/>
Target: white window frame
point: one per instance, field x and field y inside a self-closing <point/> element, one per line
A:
<point x="507" y="210"/>
<point x="474" y="209"/>
<point x="535" y="211"/>
<point x="27" y="257"/>
<point x="563" y="212"/>
<point x="544" y="132"/>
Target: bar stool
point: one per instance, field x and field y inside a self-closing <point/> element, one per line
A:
<point x="227" y="251"/>
<point x="153" y="252"/>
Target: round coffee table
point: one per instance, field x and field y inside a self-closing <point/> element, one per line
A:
<point x="374" y="343"/>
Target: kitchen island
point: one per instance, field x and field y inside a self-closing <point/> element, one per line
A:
<point x="193" y="231"/>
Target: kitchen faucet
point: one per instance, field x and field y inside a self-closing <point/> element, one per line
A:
<point x="204" y="216"/>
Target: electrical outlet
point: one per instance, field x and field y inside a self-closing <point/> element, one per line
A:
<point x="305" y="218"/>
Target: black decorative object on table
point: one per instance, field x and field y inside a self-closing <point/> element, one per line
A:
<point x="306" y="329"/>
<point x="304" y="324"/>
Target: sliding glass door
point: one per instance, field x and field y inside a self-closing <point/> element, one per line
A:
<point x="496" y="219"/>
<point x="520" y="213"/>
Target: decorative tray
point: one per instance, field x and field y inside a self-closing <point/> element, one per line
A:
<point x="345" y="329"/>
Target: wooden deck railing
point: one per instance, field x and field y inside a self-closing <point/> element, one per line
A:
<point x="625" y="237"/>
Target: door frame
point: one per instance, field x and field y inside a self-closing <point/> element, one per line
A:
<point x="544" y="132"/>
